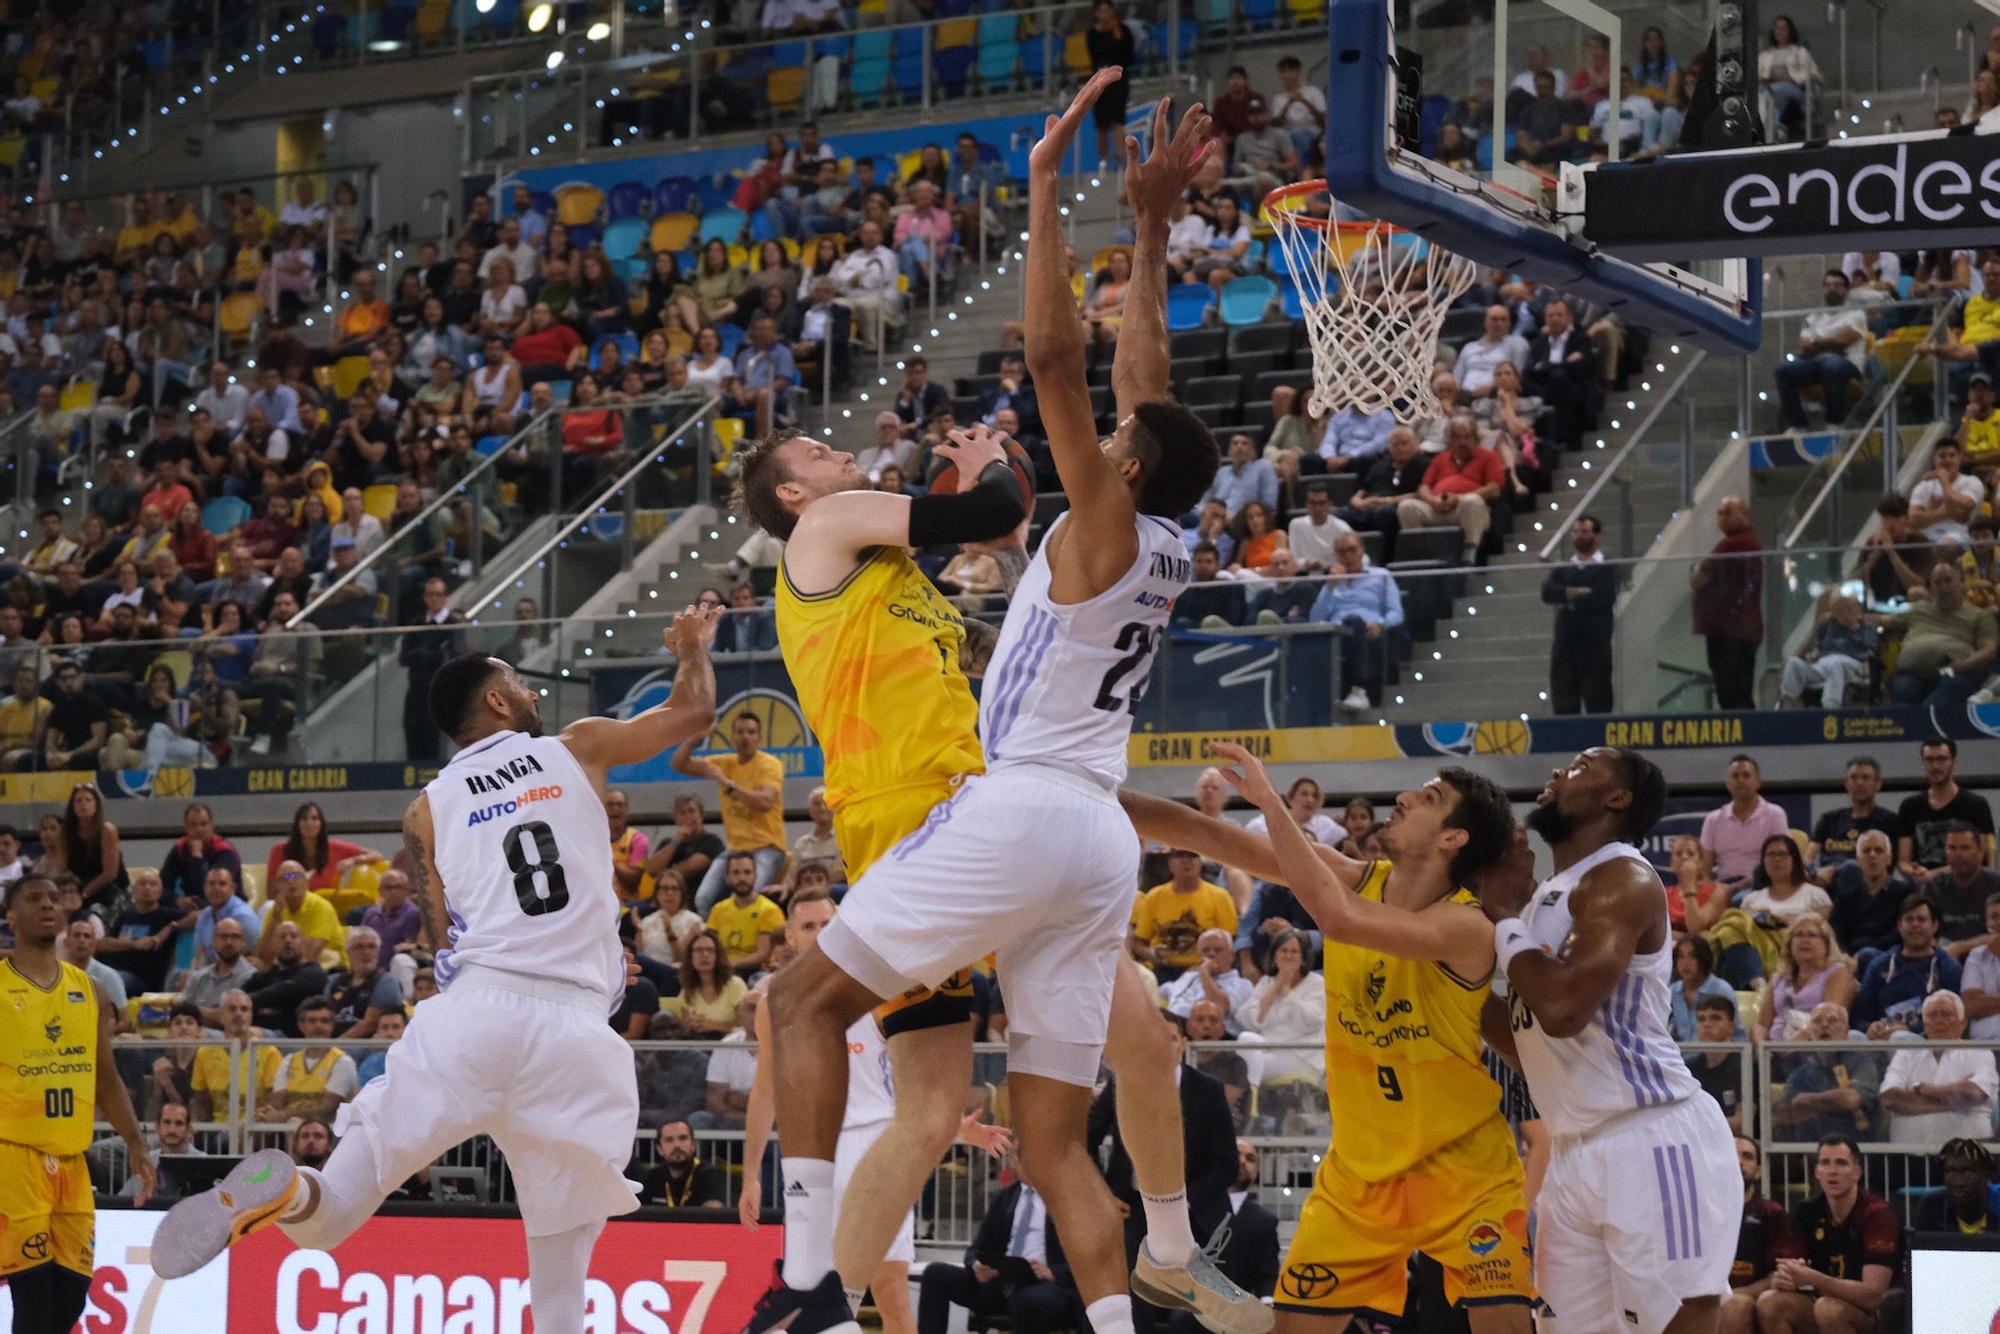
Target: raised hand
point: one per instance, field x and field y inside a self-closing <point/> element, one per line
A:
<point x="1247" y="776"/>
<point x="994" y="1140"/>
<point x="692" y="631"/>
<point x="973" y="449"/>
<point x="1506" y="887"/>
<point x="1045" y="159"/>
<point x="1153" y="184"/>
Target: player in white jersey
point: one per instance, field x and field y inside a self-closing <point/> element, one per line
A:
<point x="511" y="858"/>
<point x="871" y="1107"/>
<point x="1033" y="860"/>
<point x="1638" y="1213"/>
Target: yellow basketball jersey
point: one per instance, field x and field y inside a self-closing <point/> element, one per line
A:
<point x="48" y="1060"/>
<point x="1403" y="1065"/>
<point x="875" y="665"/>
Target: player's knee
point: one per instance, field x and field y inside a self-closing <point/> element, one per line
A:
<point x="1139" y="1041"/>
<point x="1833" y="1316"/>
<point x="1774" y="1310"/>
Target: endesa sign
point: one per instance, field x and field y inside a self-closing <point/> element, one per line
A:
<point x="429" y="1276"/>
<point x="1934" y="190"/>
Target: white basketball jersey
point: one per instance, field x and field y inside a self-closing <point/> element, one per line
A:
<point x="1626" y="1058"/>
<point x="1065" y="681"/>
<point x="871" y="1090"/>
<point x="524" y="849"/>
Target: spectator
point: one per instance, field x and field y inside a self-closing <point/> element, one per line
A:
<point x="290" y="977"/>
<point x="1842" y="1229"/>
<point x="923" y="238"/>
<point x="1367" y="605"/>
<point x="285" y="663"/>
<point x="1838" y="660"/>
<point x="1831" y="1090"/>
<point x="422" y="654"/>
<point x="691" y="850"/>
<point x="1694" y="900"/>
<point x="23" y="717"/>
<point x="1961" y="888"/>
<point x="747" y="922"/>
<point x="78" y="725"/>
<point x="1170" y="919"/>
<point x="1498" y="343"/>
<point x="1261" y="156"/>
<point x="1782" y="895"/>
<point x="1868" y="894"/>
<point x="213" y="1077"/>
<point x="1109" y="42"/>
<point x="665" y="933"/>
<point x="313" y="1081"/>
<point x="678" y="1178"/>
<point x="1232" y="107"/>
<point x="751" y="780"/>
<point x="818" y="843"/>
<point x="1720" y="1073"/>
<point x="629" y="849"/>
<point x="1735" y="833"/>
<point x="225" y="401"/>
<point x="1459" y="486"/>
<point x="1299" y="109"/>
<point x="1311" y="535"/>
<point x="365" y="992"/>
<point x="1948" y="645"/>
<point x="1811" y="972"/>
<point x="1935" y="1094"/>
<point x="1694" y="982"/>
<point x="920" y="398"/>
<point x="1287" y="1009"/>
<point x="1351" y="440"/>
<point x="1386" y="482"/>
<point x="80" y="941"/>
<point x="389" y="1028"/>
<point x="1763" y="1238"/>
<point x="865" y="279"/>
<point x="1212" y="601"/>
<point x="1728" y="605"/>
<point x="732" y="1070"/>
<point x="1974" y="332"/>
<point x="198" y="851"/>
<point x="140" y="940"/>
<point x="1836" y="833"/>
<point x="1788" y="73"/>
<point x="1584" y="593"/>
<point x="326" y="860"/>
<point x="291" y="901"/>
<point x="1948" y="497"/>
<point x="1214" y="979"/>
<point x="641" y="998"/>
<point x="1014" y="1268"/>
<point x="1980" y="982"/>
<point x="1897" y="982"/>
<point x="1921" y="819"/>
<point x="1832" y="351"/>
<point x="173" y="1138"/>
<point x="711" y="992"/>
<point x="398" y="925"/>
<point x="1967" y="1205"/>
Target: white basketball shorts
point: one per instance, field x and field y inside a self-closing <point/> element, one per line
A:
<point x="1035" y="865"/>
<point x="1637" y="1220"/>
<point x="534" y="1065"/>
<point x="853" y="1146"/>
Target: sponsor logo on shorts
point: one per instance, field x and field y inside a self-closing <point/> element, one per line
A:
<point x="1308" y="1281"/>
<point x="1483" y="1237"/>
<point x="36" y="1247"/>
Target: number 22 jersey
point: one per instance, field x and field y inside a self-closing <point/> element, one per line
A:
<point x="1066" y="679"/>
<point x="523" y="847"/>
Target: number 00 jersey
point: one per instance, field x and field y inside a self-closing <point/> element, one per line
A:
<point x="1065" y="680"/>
<point x="1404" y="1062"/>
<point x="524" y="849"/>
<point x="875" y="664"/>
<point x="48" y="1060"/>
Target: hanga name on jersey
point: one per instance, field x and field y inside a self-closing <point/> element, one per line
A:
<point x="500" y="779"/>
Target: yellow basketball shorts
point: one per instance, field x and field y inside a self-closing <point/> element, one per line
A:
<point x="1462" y="1206"/>
<point x="48" y="1213"/>
<point x="867" y="828"/>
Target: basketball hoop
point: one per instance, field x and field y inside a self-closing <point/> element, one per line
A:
<point x="1374" y="298"/>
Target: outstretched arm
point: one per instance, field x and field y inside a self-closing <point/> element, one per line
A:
<point x="1142" y="366"/>
<point x="1177" y="826"/>
<point x="599" y="744"/>
<point x="1453" y="934"/>
<point x="1610" y="912"/>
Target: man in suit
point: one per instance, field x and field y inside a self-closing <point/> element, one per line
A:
<point x="1014" y="1267"/>
<point x="1562" y="370"/>
<point x="1250" y="1247"/>
<point x="1209" y="1136"/>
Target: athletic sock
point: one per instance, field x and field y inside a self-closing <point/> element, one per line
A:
<point x="809" y="1220"/>
<point x="307" y="1200"/>
<point x="558" y="1270"/>
<point x="1169" y="1236"/>
<point x="1110" y="1315"/>
<point x="855" y="1296"/>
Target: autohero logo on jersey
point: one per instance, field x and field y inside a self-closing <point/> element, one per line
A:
<point x="127" y="1297"/>
<point x="508" y="807"/>
<point x="470" y="1276"/>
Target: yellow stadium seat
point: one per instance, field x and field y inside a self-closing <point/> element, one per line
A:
<point x="348" y="375"/>
<point x="791" y="245"/>
<point x="728" y="434"/>
<point x="432" y="19"/>
<point x="739" y="255"/>
<point x="957" y="32"/>
<point x="380" y="500"/>
<point x="906" y="165"/>
<point x="578" y="204"/>
<point x="1076" y="53"/>
<point x="1102" y="258"/>
<point x="1308" y="11"/>
<point x="673" y="231"/>
<point x="785" y="88"/>
<point x="679" y="342"/>
<point x="79" y="396"/>
<point x="47" y="91"/>
<point x="239" y="314"/>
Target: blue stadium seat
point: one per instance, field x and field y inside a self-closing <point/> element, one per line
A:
<point x="545" y="203"/>
<point x="839" y="45"/>
<point x="909" y="72"/>
<point x="788" y="55"/>
<point x="486" y="446"/>
<point x="1288" y="292"/>
<point x="624" y="238"/>
<point x="628" y="199"/>
<point x="715" y="194"/>
<point x="1244" y="300"/>
<point x="584" y="235"/>
<point x="726" y="223"/>
<point x="677" y="194"/>
<point x="1034" y="59"/>
<point x="224" y="513"/>
<point x="732" y="337"/>
<point x="909" y="42"/>
<point x="634" y="269"/>
<point x="953" y="68"/>
<point x="871" y="45"/>
<point x="998" y="48"/>
<point x="762" y="229"/>
<point x="1188" y="305"/>
<point x="1215" y="16"/>
<point x="1260" y="14"/>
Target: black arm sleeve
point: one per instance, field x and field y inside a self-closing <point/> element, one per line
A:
<point x="989" y="510"/>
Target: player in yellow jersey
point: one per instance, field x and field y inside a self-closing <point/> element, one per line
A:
<point x="55" y="1072"/>
<point x="1421" y="1158"/>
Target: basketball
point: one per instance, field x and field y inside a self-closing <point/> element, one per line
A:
<point x="943" y="480"/>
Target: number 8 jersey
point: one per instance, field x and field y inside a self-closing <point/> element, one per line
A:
<point x="1065" y="681"/>
<point x="523" y="846"/>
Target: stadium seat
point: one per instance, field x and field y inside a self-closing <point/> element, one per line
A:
<point x="633" y="269"/>
<point x="1259" y="14"/>
<point x="732" y="337"/>
<point x="1223" y="389"/>
<point x="1253" y="363"/>
<point x="239" y="314"/>
<point x="578" y="204"/>
<point x="785" y="88"/>
<point x="348" y="373"/>
<point x="952" y="68"/>
<point x="1215" y="16"/>
<point x="224" y="513"/>
<point x="1443" y="543"/>
<point x="1275" y="336"/>
<point x="1188" y="305"/>
<point x="868" y="82"/>
<point x="998" y="49"/>
<point x="624" y="238"/>
<point x="1261" y="387"/>
<point x="724" y="224"/>
<point x="1185" y="369"/>
<point x="676" y="194"/>
<point x="673" y="231"/>
<point x="380" y="500"/>
<point x="628" y="199"/>
<point x="1200" y="343"/>
<point x="1076" y="54"/>
<point x="584" y="235"/>
<point x="486" y="446"/>
<point x="1244" y="300"/>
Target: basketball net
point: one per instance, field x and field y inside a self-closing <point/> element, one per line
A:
<point x="1374" y="298"/>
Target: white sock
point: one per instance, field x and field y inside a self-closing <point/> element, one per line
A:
<point x="809" y="1220"/>
<point x="855" y="1296"/>
<point x="1169" y="1236"/>
<point x="307" y="1201"/>
<point x="1110" y="1315"/>
<point x="558" y="1267"/>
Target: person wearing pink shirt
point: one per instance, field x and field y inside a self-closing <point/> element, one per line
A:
<point x="923" y="234"/>
<point x="1734" y="833"/>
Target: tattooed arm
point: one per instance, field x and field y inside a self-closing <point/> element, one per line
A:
<point x="425" y="887"/>
<point x="981" y="637"/>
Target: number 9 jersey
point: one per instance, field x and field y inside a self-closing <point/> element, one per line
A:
<point x="1065" y="680"/>
<point x="523" y="848"/>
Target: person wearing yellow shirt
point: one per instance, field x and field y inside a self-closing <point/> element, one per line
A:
<point x="1979" y="429"/>
<point x="753" y="813"/>
<point x="292" y="901"/>
<point x="311" y="1081"/>
<point x="748" y="922"/>
<point x="1170" y="918"/>
<point x="23" y="714"/>
<point x="1977" y="337"/>
<point x="212" y="1065"/>
<point x="135" y="238"/>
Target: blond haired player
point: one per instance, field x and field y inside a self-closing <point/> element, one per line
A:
<point x="55" y="1072"/>
<point x="1421" y="1158"/>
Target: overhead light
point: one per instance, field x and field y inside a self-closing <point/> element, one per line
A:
<point x="484" y="6"/>
<point x="555" y="59"/>
<point x="385" y="44"/>
<point x="539" y="16"/>
<point x="598" y="31"/>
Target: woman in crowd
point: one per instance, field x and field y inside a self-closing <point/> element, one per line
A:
<point x="326" y="859"/>
<point x="665" y="933"/>
<point x="1508" y="415"/>
<point x="1654" y="72"/>
<point x="434" y="337"/>
<point x="708" y="369"/>
<point x="406" y="312"/>
<point x="710" y="988"/>
<point x="92" y="852"/>
<point x="1749" y="939"/>
<point x="120" y="389"/>
<point x="1788" y="72"/>
<point x="1454" y="149"/>
<point x="1811" y="972"/>
<point x="932" y="166"/>
<point x="503" y="305"/>
<point x="601" y="298"/>
<point x="1985" y="95"/>
<point x="224" y="643"/>
<point x="1229" y="244"/>
<point x="718" y="284"/>
<point x="1106" y="307"/>
<point x="670" y="302"/>
<point x="1694" y="900"/>
<point x="98" y="547"/>
<point x="825" y="258"/>
<point x="315" y="536"/>
<point x="1694" y="981"/>
<point x="287" y="281"/>
<point x="1357" y="820"/>
<point x="556" y="245"/>
<point x="1288" y="1007"/>
<point x="1258" y="538"/>
<point x="193" y="545"/>
<point x="52" y="861"/>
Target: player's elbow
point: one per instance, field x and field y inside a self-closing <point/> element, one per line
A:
<point x="1562" y="1020"/>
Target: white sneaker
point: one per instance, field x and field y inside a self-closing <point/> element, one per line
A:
<point x="254" y="1195"/>
<point x="1356" y="700"/>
